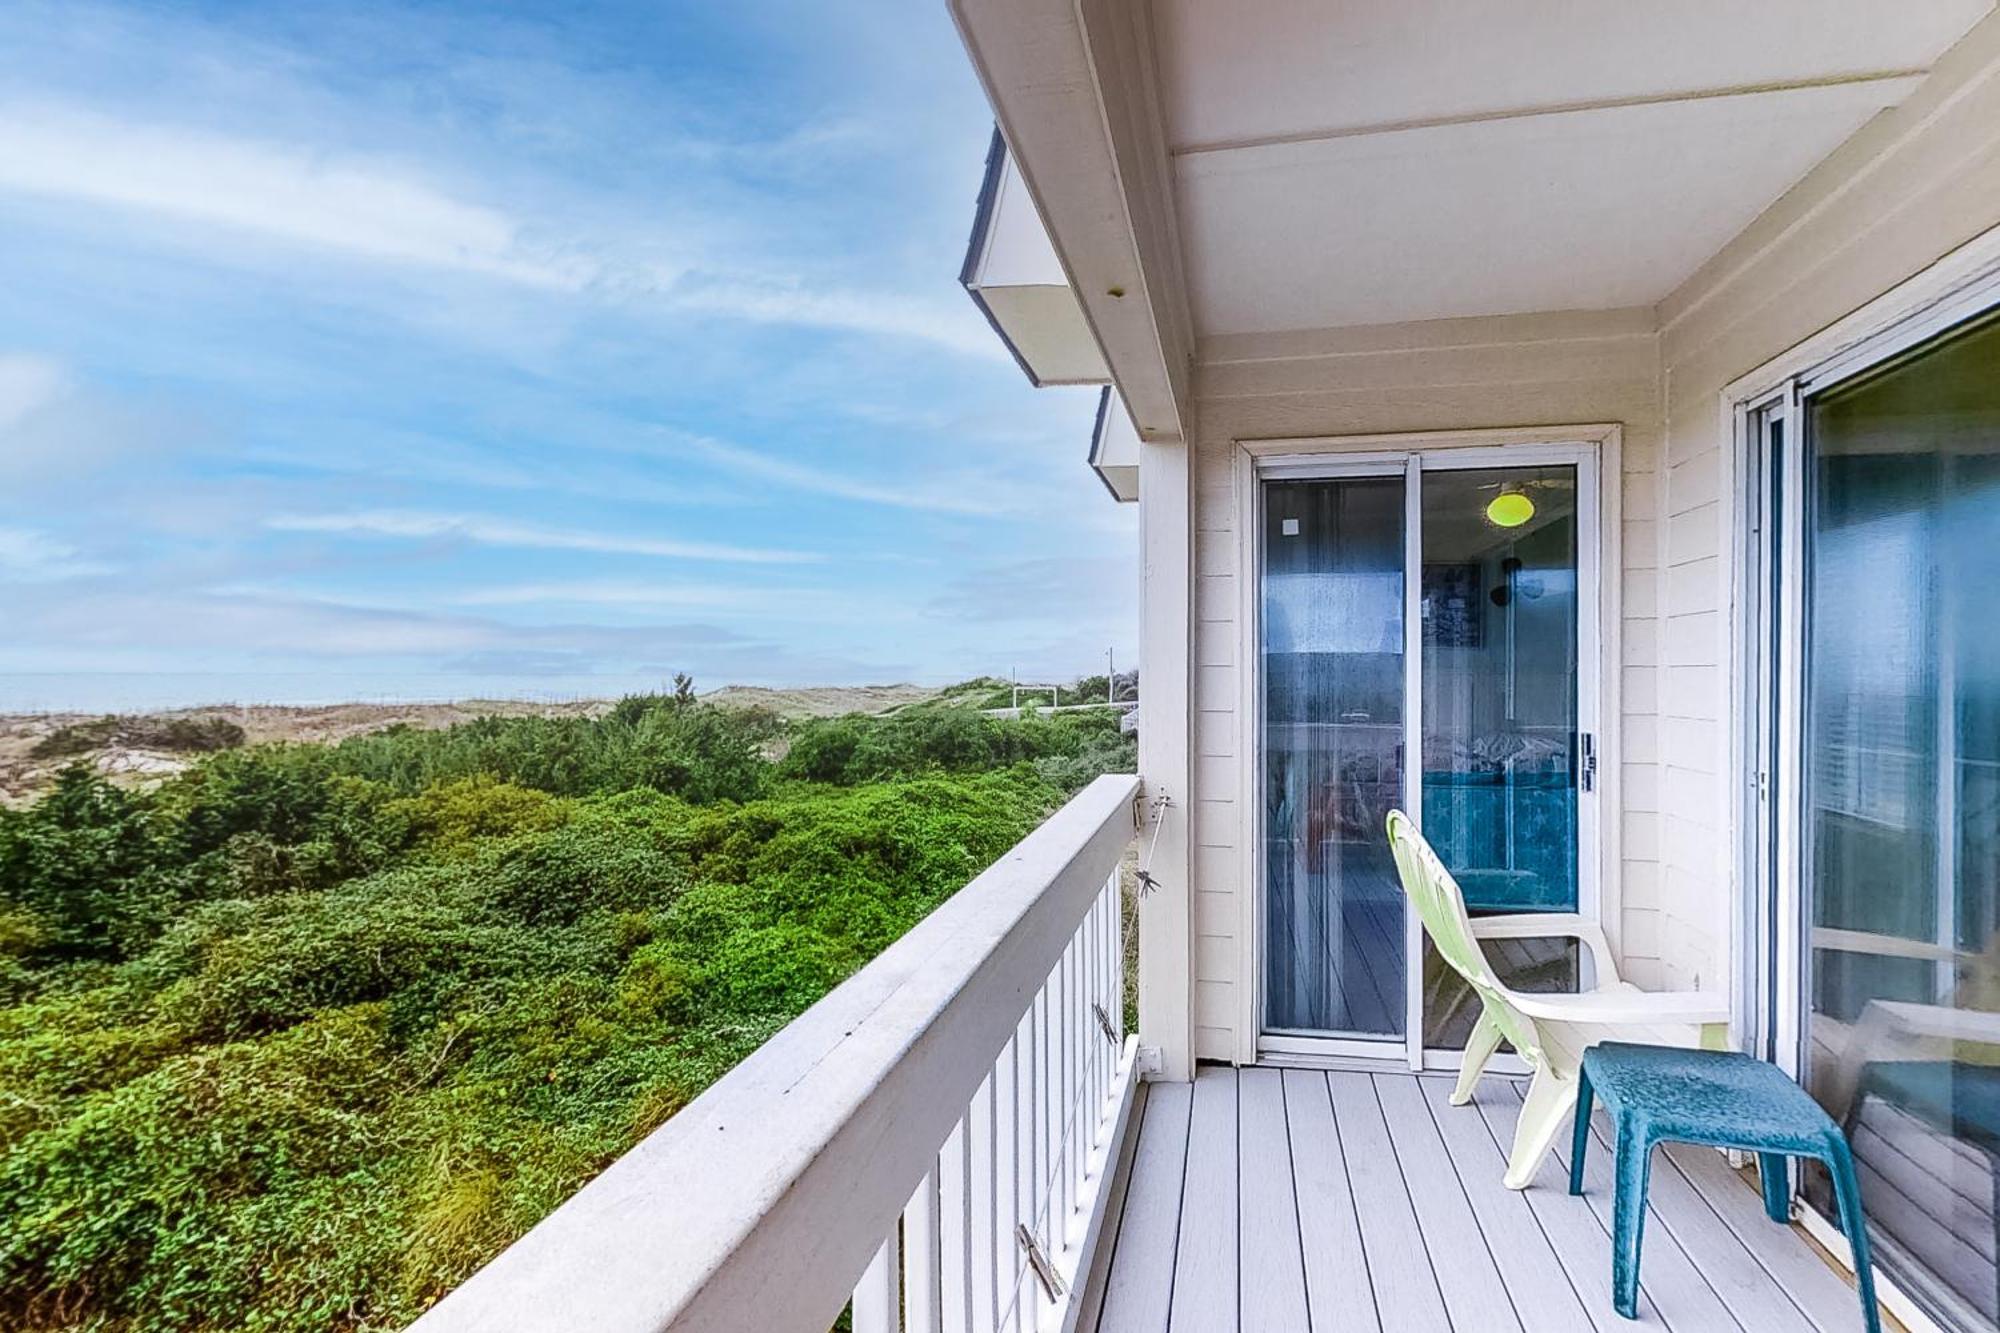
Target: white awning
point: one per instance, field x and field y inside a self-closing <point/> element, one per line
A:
<point x="1114" y="446"/>
<point x="1013" y="272"/>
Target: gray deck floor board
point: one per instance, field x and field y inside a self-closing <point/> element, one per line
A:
<point x="1205" y="1272"/>
<point x="1680" y="1293"/>
<point x="1271" y="1257"/>
<point x="1462" y="1255"/>
<point x="1140" y="1282"/>
<point x="1339" y="1293"/>
<point x="1524" y="1253"/>
<point x="1572" y="1231"/>
<point x="1340" y="1201"/>
<point x="1407" y="1295"/>
<point x="1824" y="1295"/>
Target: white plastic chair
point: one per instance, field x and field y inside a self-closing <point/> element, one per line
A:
<point x="1550" y="1032"/>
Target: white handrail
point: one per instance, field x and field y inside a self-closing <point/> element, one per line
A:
<point x="784" y="1189"/>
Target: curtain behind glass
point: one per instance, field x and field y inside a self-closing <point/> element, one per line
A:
<point x="1332" y="611"/>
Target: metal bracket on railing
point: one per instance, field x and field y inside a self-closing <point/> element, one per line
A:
<point x="1104" y="1023"/>
<point x="1161" y="804"/>
<point x="1045" y="1272"/>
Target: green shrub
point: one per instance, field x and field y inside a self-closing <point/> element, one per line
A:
<point x="675" y="744"/>
<point x="941" y="739"/>
<point x="81" y="866"/>
<point x="455" y="818"/>
<point x="301" y="1038"/>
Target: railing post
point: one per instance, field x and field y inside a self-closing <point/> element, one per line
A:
<point x="1166" y="749"/>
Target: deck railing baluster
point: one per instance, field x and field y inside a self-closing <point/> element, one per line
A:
<point x="875" y="1295"/>
<point x="922" y="1303"/>
<point x="955" y="1233"/>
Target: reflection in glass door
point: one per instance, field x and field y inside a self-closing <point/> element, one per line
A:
<point x="1897" y="863"/>
<point x="1500" y="706"/>
<point x="1472" y="564"/>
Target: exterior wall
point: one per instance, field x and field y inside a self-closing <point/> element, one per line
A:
<point x="1911" y="191"/>
<point x="1915" y="184"/>
<point x="1540" y="370"/>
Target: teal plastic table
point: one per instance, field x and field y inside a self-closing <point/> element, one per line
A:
<point x="1720" y="1099"/>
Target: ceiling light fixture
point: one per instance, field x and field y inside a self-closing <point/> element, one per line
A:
<point x="1510" y="509"/>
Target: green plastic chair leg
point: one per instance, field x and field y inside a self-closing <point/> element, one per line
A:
<point x="1634" y="1157"/>
<point x="1847" y="1193"/>
<point x="1777" y="1187"/>
<point x="1579" y="1141"/>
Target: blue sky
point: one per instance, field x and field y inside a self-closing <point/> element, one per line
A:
<point x="361" y="351"/>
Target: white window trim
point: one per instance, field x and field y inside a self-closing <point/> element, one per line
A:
<point x="1386" y="455"/>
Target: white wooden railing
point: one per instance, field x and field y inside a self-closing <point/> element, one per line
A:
<point x="934" y="1140"/>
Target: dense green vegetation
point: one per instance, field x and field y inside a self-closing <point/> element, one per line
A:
<point x="298" y="1039"/>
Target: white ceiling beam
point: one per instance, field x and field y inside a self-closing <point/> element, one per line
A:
<point x="1899" y="77"/>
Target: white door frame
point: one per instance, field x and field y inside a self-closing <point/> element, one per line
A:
<point x="1595" y="450"/>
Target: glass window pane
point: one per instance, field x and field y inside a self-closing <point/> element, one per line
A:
<point x="1500" y="714"/>
<point x="1902" y="803"/>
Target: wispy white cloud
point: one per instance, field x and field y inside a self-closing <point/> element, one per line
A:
<point x="777" y="300"/>
<point x="420" y="525"/>
<point x="277" y="623"/>
<point x="367" y="209"/>
<point x="739" y="604"/>
<point x="128" y="629"/>
<point x="27" y="384"/>
<point x="965" y="498"/>
<point x="329" y="202"/>
<point x="28" y="556"/>
<point x="1057" y="589"/>
<point x="452" y="466"/>
<point x="611" y="592"/>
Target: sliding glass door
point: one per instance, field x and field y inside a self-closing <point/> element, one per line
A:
<point x="1502" y="768"/>
<point x="1421" y="645"/>
<point x="1888" y="498"/>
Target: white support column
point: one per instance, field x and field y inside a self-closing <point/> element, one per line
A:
<point x="1166" y="716"/>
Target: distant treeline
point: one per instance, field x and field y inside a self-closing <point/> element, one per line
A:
<point x="298" y="1039"/>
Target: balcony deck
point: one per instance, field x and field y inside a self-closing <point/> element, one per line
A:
<point x="1275" y="1200"/>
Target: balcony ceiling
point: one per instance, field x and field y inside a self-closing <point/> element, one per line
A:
<point x="1378" y="161"/>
